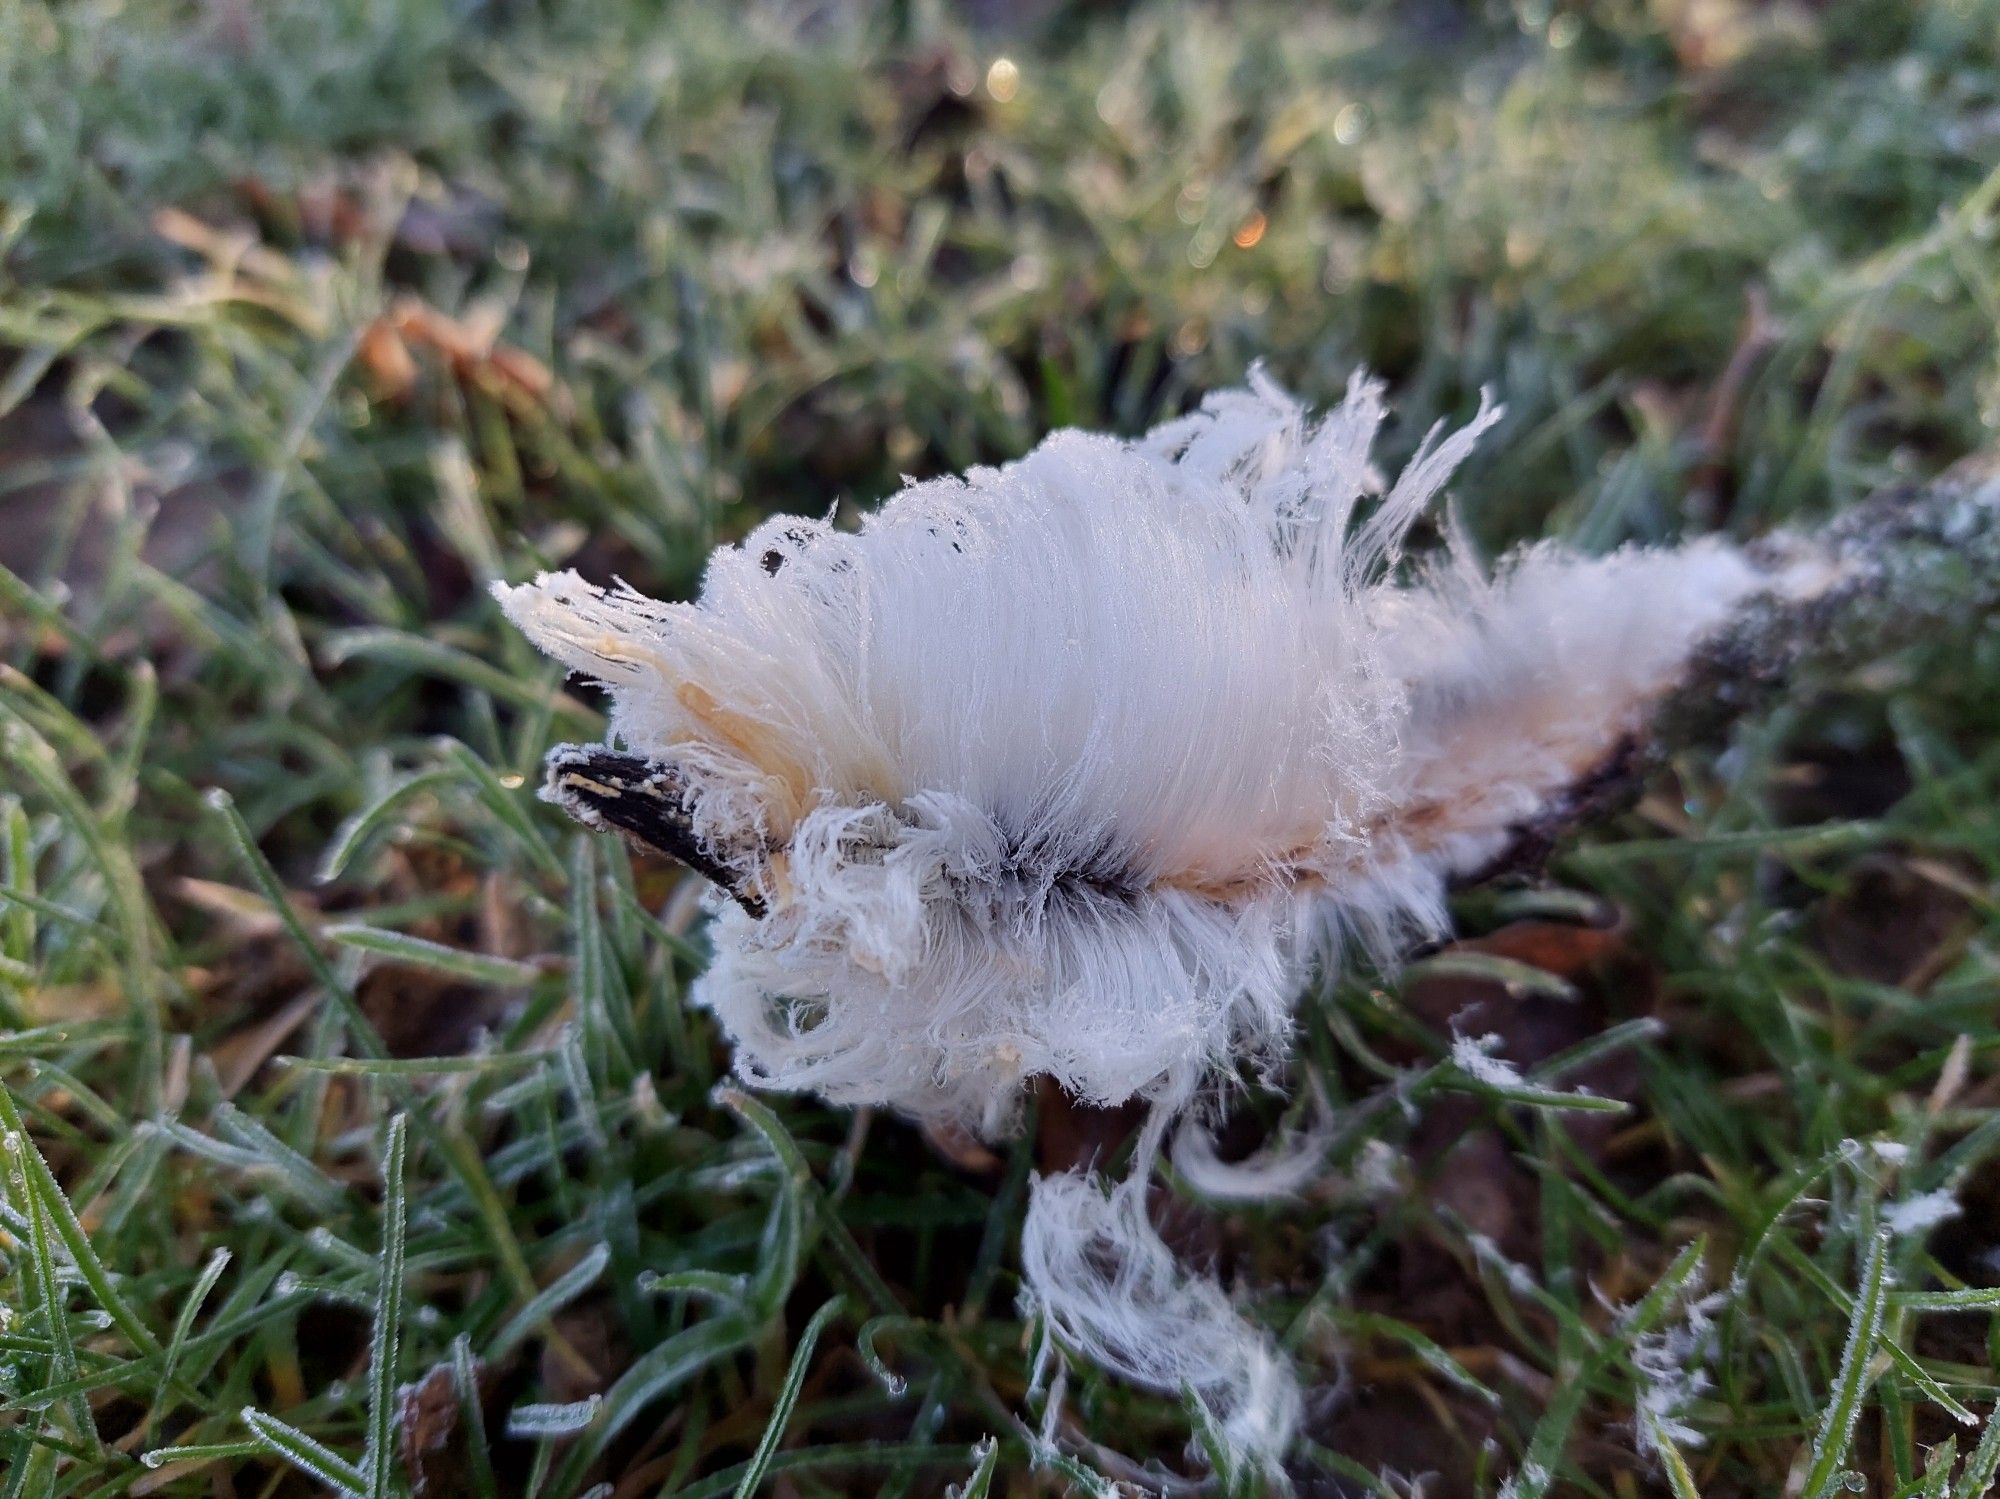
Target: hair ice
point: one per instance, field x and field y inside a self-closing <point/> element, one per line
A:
<point x="1076" y="766"/>
<point x="1072" y="767"/>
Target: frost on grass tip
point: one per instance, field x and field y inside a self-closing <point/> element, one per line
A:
<point x="1076" y="767"/>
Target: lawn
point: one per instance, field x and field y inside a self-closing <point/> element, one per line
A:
<point x="358" y="1135"/>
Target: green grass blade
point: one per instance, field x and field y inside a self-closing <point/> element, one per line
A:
<point x="1433" y="1356"/>
<point x="18" y="902"/>
<point x="603" y="1017"/>
<point x="356" y="832"/>
<point x="788" y="1396"/>
<point x="654" y="1374"/>
<point x="46" y="1290"/>
<point x="422" y="657"/>
<point x="1937" y="1470"/>
<point x="1843" y="1410"/>
<point x="846" y="1252"/>
<point x="1977" y="1299"/>
<point x="1976" y="1481"/>
<point x="183" y="1325"/>
<point x="360" y="1027"/>
<point x="711" y="1285"/>
<point x="985" y="1463"/>
<point x="1517" y="979"/>
<point x="315" y="1459"/>
<point x="41" y="1182"/>
<point x="1680" y="1480"/>
<point x="33" y="1474"/>
<point x="465" y="1381"/>
<point x="485" y="969"/>
<point x="1576" y="1371"/>
<point x="385" y="1346"/>
<point x="312" y="1185"/>
<point x="503" y="800"/>
<point x="402" y="1067"/>
<point x="560" y="1292"/>
<point x="196" y="1453"/>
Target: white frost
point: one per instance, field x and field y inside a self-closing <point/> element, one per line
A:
<point x="1473" y="1056"/>
<point x="1673" y="1363"/>
<point x="1920" y="1214"/>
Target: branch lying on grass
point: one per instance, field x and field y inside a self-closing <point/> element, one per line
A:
<point x="1916" y="560"/>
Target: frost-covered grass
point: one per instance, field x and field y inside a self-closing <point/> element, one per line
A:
<point x="316" y="317"/>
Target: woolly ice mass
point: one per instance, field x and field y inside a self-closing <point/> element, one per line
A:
<point x="1076" y="767"/>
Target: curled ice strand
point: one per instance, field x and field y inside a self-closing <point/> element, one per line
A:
<point x="1282" y="1167"/>
<point x="1098" y="1272"/>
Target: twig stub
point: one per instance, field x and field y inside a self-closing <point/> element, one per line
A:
<point x="644" y="801"/>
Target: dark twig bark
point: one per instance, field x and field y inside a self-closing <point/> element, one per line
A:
<point x="1914" y="563"/>
<point x="646" y="802"/>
